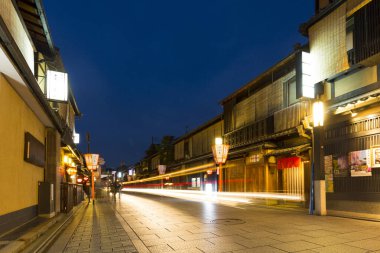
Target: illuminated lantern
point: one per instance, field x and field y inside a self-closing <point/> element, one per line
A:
<point x="220" y="152"/>
<point x="92" y="164"/>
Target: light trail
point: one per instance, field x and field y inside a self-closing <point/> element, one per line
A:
<point x="231" y="197"/>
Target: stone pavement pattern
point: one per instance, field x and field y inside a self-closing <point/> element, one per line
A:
<point x="174" y="225"/>
<point x="98" y="230"/>
<point x="144" y="223"/>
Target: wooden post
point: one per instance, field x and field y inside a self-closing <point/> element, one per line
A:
<point x="93" y="187"/>
<point x="220" y="177"/>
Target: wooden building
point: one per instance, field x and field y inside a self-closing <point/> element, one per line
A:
<point x="269" y="145"/>
<point x="344" y="38"/>
<point x="193" y="156"/>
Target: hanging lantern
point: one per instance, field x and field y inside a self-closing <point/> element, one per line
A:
<point x="220" y="151"/>
<point x="92" y="161"/>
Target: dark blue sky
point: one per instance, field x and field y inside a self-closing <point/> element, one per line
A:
<point x="143" y="68"/>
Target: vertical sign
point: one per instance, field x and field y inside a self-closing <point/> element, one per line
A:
<point x="57" y="86"/>
<point x="304" y="80"/>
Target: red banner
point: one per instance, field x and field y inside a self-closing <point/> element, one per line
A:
<point x="288" y="162"/>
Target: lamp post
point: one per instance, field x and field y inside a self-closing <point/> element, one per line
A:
<point x="318" y="187"/>
<point x="220" y="152"/>
<point x="92" y="164"/>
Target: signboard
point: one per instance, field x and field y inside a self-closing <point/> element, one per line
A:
<point x="57" y="86"/>
<point x="304" y="78"/>
<point x="34" y="150"/>
<point x="329" y="176"/>
<point x="257" y="158"/>
<point x="76" y="138"/>
<point x="360" y="163"/>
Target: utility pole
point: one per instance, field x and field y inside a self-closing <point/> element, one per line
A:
<point x="88" y="142"/>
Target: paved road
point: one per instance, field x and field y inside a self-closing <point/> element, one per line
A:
<point x="160" y="224"/>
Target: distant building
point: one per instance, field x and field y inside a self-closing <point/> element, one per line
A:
<point x="193" y="156"/>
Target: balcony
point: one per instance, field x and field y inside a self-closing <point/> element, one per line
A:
<point x="291" y="116"/>
<point x="366" y="34"/>
<point x="249" y="134"/>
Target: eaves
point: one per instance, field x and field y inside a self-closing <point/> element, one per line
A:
<point x="11" y="47"/>
<point x="304" y="28"/>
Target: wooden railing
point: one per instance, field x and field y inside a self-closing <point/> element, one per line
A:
<point x="291" y="116"/>
<point x="249" y="134"/>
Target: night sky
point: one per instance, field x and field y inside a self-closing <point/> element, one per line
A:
<point x="146" y="68"/>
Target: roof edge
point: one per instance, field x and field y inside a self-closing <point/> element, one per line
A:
<point x="304" y="28"/>
<point x="284" y="61"/>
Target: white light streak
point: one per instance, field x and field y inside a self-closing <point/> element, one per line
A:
<point x="235" y="197"/>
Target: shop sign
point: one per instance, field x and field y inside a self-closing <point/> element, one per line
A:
<point x="329" y="175"/>
<point x="57" y="86"/>
<point x="255" y="158"/>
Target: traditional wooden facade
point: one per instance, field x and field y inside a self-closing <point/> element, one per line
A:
<point x="193" y="156"/>
<point x="269" y="145"/>
<point x="345" y="47"/>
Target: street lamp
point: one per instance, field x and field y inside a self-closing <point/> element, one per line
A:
<point x="318" y="113"/>
<point x="220" y="152"/>
<point x="318" y="191"/>
<point x="92" y="164"/>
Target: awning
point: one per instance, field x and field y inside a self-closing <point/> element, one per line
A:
<point x="291" y="150"/>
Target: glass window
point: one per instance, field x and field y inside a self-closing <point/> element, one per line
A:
<point x="290" y="90"/>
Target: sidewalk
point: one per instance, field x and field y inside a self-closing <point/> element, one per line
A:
<point x="98" y="230"/>
<point x="88" y="228"/>
<point x="23" y="236"/>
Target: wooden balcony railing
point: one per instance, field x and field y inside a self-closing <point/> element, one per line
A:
<point x="249" y="134"/>
<point x="291" y="116"/>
